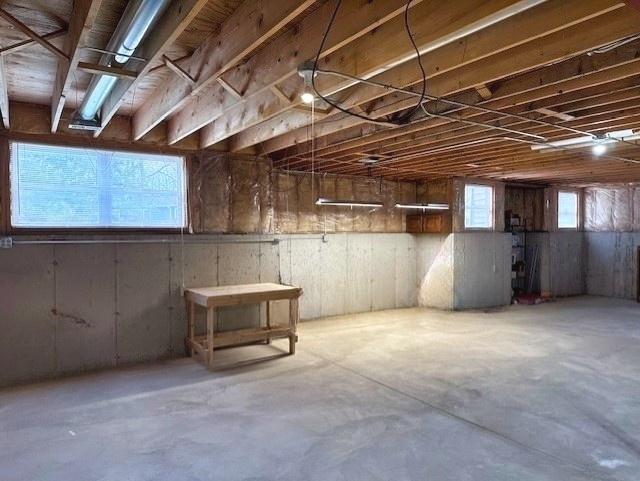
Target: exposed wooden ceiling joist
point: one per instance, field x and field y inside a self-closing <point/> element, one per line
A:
<point x="252" y="24"/>
<point x="82" y="17"/>
<point x="569" y="75"/>
<point x="385" y="48"/>
<point x="280" y="59"/>
<point x="558" y="45"/>
<point x="175" y="20"/>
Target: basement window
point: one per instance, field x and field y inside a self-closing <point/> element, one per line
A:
<point x="69" y="187"/>
<point x="478" y="206"/>
<point x="567" y="210"/>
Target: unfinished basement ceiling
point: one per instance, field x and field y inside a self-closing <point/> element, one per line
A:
<point x="505" y="74"/>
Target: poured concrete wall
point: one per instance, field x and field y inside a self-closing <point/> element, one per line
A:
<point x="435" y="263"/>
<point x="566" y="263"/>
<point x="464" y="270"/>
<point x="70" y="308"/>
<point x="482" y="270"/>
<point x="561" y="262"/>
<point x="612" y="222"/>
<point x="612" y="262"/>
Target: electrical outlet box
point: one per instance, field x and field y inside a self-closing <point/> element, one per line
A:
<point x="6" y="242"/>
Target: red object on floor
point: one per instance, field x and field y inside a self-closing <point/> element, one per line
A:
<point x="529" y="299"/>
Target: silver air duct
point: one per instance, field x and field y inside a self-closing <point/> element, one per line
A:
<point x="137" y="20"/>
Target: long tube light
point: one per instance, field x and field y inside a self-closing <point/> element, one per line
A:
<point x="588" y="141"/>
<point x="347" y="203"/>
<point x="136" y="21"/>
<point x="428" y="206"/>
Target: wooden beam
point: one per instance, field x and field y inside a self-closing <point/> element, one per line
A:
<point x="538" y="88"/>
<point x="175" y="20"/>
<point x="385" y="48"/>
<point x="252" y="24"/>
<point x="580" y="37"/>
<point x="31" y="34"/>
<point x="4" y="94"/>
<point x="82" y="18"/>
<point x="280" y="94"/>
<point x="16" y="47"/>
<point x="31" y="122"/>
<point x="280" y="59"/>
<point x="519" y="36"/>
<point x="230" y="90"/>
<point x="96" y="68"/>
<point x="178" y="70"/>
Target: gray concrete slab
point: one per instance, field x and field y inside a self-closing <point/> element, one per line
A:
<point x="383" y="273"/>
<point x="85" y="310"/>
<point x="333" y="280"/>
<point x="544" y="392"/>
<point x="27" y="323"/>
<point x="611" y="262"/>
<point x="359" y="278"/>
<point x="482" y="269"/>
<point x="143" y="288"/>
<point x="435" y="269"/>
<point x="238" y="264"/>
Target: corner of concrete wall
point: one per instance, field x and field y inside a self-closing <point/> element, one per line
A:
<point x="434" y="253"/>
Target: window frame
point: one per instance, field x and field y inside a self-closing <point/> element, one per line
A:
<point x="492" y="214"/>
<point x="577" y="197"/>
<point x="9" y="229"/>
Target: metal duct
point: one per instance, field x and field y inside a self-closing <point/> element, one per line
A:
<point x="138" y="18"/>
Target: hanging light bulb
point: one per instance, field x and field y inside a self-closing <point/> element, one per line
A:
<point x="305" y="70"/>
<point x="307" y="97"/>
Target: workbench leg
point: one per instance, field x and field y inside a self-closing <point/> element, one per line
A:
<point x="293" y="325"/>
<point x="268" y="319"/>
<point x="211" y="314"/>
<point x="191" y="327"/>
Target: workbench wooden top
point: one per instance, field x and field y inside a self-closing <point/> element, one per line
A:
<point x="240" y="294"/>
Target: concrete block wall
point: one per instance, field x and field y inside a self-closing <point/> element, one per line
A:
<point x="67" y="308"/>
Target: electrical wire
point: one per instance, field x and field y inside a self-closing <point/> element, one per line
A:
<point x="407" y="116"/>
<point x="387" y="120"/>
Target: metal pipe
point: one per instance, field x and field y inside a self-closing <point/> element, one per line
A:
<point x="464" y="105"/>
<point x="136" y="21"/>
<point x="190" y="239"/>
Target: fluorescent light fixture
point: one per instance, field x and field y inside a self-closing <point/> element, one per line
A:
<point x="589" y="141"/>
<point x="423" y="206"/>
<point x="348" y="203"/>
<point x="553" y="113"/>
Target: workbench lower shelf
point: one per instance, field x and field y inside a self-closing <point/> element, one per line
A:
<point x="211" y="298"/>
<point x="244" y="336"/>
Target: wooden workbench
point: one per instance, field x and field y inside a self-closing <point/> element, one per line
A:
<point x="211" y="298"/>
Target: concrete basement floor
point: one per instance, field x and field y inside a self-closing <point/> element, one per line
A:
<point x="549" y="392"/>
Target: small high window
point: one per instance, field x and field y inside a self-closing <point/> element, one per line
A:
<point x="478" y="206"/>
<point x="68" y="187"/>
<point x="567" y="210"/>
